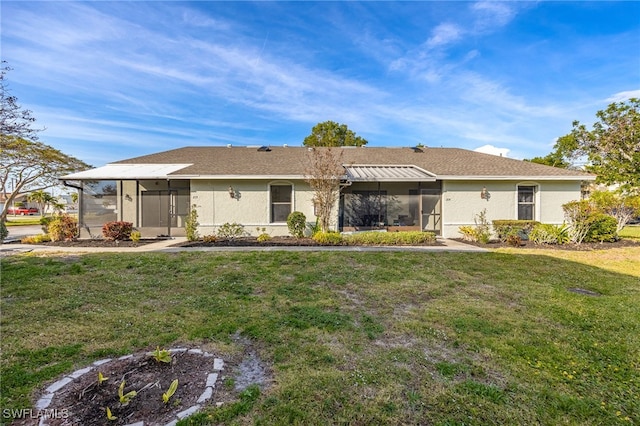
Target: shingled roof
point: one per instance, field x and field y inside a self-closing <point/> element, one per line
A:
<point x="289" y="162"/>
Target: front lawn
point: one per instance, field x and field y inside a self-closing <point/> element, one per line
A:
<point x="22" y="220"/>
<point x="508" y="337"/>
<point x="630" y="231"/>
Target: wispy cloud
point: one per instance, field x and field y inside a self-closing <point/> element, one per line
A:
<point x="624" y="96"/>
<point x="444" y="34"/>
<point x="146" y="76"/>
<point x="490" y="15"/>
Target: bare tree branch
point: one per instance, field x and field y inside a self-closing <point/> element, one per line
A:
<point x="324" y="172"/>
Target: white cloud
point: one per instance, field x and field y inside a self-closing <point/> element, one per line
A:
<point x="624" y="96"/>
<point x="492" y="14"/>
<point x="444" y="34"/>
<point x="493" y="150"/>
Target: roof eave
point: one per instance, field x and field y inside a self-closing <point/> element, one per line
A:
<point x="425" y="179"/>
<point x="237" y="177"/>
<point x="517" y="177"/>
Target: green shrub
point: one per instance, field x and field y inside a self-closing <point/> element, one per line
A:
<point x="545" y="233"/>
<point x="4" y="232"/>
<point x="480" y="233"/>
<point x="44" y="222"/>
<point x="297" y="222"/>
<point x="263" y="236"/>
<point x="514" y="240"/>
<point x="231" y="231"/>
<point x="117" y="230"/>
<point x="505" y="228"/>
<point x="63" y="228"/>
<point x="191" y="224"/>
<point x="135" y="236"/>
<point x="328" y="238"/>
<point x="468" y="233"/>
<point x="602" y="228"/>
<point x="314" y="227"/>
<point x="577" y="214"/>
<point x="588" y="223"/>
<point x="483" y="230"/>
<point x="390" y="238"/>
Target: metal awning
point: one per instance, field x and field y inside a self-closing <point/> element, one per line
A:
<point x="127" y="172"/>
<point x="386" y="173"/>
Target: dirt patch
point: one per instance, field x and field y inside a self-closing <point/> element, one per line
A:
<point x="585" y="292"/>
<point x="251" y="370"/>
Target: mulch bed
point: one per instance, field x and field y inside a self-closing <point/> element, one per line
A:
<point x="84" y="401"/>
<point x="285" y="241"/>
<point x="621" y="243"/>
<point x="273" y="242"/>
<point x="98" y="243"/>
<point x="251" y="242"/>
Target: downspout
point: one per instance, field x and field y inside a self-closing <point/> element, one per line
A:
<point x="169" y="206"/>
<point x="121" y="201"/>
<point x="379" y="205"/>
<point x="80" y="209"/>
<point x="137" y="204"/>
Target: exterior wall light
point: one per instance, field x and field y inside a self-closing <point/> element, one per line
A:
<point x="484" y="194"/>
<point x="234" y="193"/>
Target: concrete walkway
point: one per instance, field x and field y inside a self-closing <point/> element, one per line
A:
<point x="165" y="246"/>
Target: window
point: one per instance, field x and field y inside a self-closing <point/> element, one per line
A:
<point x="280" y="202"/>
<point x="526" y="202"/>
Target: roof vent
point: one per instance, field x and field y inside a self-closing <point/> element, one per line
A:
<point x="285" y="145"/>
<point x="228" y="145"/>
<point x="264" y="148"/>
<point x="417" y="149"/>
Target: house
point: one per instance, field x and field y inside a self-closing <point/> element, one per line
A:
<point x="434" y="189"/>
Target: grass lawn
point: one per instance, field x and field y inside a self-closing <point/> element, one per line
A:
<point x="22" y="220"/>
<point x="630" y="231"/>
<point x="350" y="338"/>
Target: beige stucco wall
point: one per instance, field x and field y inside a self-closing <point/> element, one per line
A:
<point x="461" y="201"/>
<point x="251" y="209"/>
<point x="127" y="202"/>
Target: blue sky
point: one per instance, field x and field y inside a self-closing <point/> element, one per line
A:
<point x="114" y="80"/>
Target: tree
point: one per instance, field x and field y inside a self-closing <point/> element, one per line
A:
<point x="14" y="120"/>
<point x="32" y="166"/>
<point x="27" y="164"/>
<point x="555" y="159"/>
<point x="621" y="207"/>
<point x="42" y="199"/>
<point x="331" y="133"/>
<point x="612" y="147"/>
<point x="323" y="172"/>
